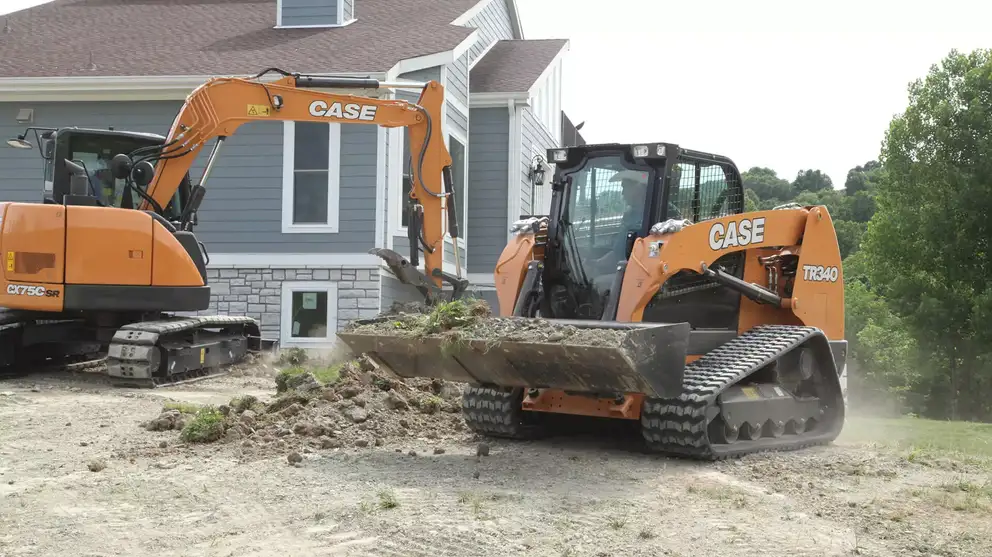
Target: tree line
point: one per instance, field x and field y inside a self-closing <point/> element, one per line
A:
<point x="914" y="230"/>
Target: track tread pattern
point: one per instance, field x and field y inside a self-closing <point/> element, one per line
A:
<point x="678" y="425"/>
<point x="496" y="412"/>
<point x="151" y="333"/>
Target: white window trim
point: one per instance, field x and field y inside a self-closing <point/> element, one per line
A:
<point x="340" y="17"/>
<point x="333" y="182"/>
<point x="286" y="312"/>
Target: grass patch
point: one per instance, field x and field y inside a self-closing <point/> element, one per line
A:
<point x="205" y="427"/>
<point x="325" y="375"/>
<point x="387" y="499"/>
<point x="923" y="440"/>
<point x="183" y="407"/>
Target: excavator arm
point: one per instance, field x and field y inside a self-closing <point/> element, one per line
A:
<point x="216" y="109"/>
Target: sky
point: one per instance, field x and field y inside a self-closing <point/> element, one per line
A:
<point x="789" y="85"/>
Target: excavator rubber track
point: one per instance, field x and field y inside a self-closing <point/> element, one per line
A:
<point x="690" y="425"/>
<point x="179" y="350"/>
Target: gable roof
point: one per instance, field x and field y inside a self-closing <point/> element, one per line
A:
<point x="513" y="66"/>
<point x="218" y="37"/>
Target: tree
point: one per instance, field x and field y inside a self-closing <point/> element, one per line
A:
<point x="766" y="184"/>
<point x="928" y="241"/>
<point x="812" y="180"/>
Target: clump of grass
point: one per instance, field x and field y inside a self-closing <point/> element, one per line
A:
<point x="295" y="356"/>
<point x="645" y="534"/>
<point x="206" y="426"/>
<point x="617" y="522"/>
<point x="182" y="407"/>
<point x="431" y="404"/>
<point x="387" y="499"/>
<point x="324" y="375"/>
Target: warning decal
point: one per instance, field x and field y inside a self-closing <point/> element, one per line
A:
<point x="259" y="110"/>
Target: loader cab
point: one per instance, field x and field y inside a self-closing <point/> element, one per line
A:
<point x="607" y="195"/>
<point x="94" y="148"/>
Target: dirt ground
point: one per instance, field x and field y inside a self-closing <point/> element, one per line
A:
<point x="79" y="477"/>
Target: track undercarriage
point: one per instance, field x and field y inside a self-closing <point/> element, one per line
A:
<point x="138" y="351"/>
<point x="774" y="388"/>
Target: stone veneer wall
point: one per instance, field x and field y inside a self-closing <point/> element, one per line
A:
<point x="257" y="292"/>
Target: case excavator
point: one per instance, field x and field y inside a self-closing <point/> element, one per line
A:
<point x="102" y="270"/>
<point x="728" y="325"/>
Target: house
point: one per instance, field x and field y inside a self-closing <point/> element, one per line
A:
<point x="292" y="209"/>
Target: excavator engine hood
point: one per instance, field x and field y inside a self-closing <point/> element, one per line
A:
<point x="644" y="358"/>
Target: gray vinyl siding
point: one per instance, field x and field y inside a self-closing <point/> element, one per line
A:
<point x="487" y="226"/>
<point x="242" y="210"/>
<point x="310" y="12"/>
<point x="457" y="86"/>
<point x="532" y="133"/>
<point x="349" y="10"/>
<point x="494" y="24"/>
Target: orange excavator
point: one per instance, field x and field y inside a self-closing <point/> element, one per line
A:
<point x="97" y="271"/>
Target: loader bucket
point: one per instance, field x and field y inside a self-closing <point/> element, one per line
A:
<point x="644" y="358"/>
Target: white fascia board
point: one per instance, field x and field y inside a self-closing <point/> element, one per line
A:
<point x="493" y="100"/>
<point x="515" y="18"/>
<point x="481" y="56"/>
<point x="547" y="70"/>
<point x="293" y="260"/>
<point x="112" y="88"/>
<point x="442" y="58"/>
<point x="472" y="12"/>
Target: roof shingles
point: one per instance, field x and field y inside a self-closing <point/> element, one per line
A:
<point x="512" y="66"/>
<point x="217" y="37"/>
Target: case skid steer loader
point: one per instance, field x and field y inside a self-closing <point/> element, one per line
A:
<point x="93" y="271"/>
<point x="729" y="325"/>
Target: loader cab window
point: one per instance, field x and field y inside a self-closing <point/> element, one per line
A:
<point x="701" y="191"/>
<point x="605" y="201"/>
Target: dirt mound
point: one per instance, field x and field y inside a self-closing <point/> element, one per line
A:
<point x="350" y="405"/>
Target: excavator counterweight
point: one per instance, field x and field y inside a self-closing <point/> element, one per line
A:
<point x="648" y="294"/>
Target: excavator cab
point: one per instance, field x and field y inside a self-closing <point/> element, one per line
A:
<point x="93" y="150"/>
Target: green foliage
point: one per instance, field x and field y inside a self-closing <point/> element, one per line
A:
<point x="914" y="231"/>
<point x="325" y="375"/>
<point x="927" y="242"/>
<point x="206" y="426"/>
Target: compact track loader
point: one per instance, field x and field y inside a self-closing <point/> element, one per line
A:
<point x="728" y="326"/>
<point x="96" y="271"/>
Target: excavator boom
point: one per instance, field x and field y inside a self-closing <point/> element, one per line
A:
<point x="216" y="109"/>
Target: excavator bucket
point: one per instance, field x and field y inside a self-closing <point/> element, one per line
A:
<point x="585" y="356"/>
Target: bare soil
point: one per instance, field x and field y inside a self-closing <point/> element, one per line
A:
<point x="81" y="476"/>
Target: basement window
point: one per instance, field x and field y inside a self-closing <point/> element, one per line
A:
<point x="309" y="313"/>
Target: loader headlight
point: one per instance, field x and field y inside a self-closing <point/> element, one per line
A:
<point x="559" y="155"/>
<point x="641" y="150"/>
<point x="660" y="150"/>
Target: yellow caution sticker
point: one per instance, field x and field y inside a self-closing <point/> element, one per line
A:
<point x="750" y="392"/>
<point x="10" y="261"/>
<point x="203" y="354"/>
<point x="259" y="110"/>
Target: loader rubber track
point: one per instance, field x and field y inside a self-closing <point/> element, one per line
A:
<point x="681" y="426"/>
<point x="496" y="412"/>
<point x="178" y="350"/>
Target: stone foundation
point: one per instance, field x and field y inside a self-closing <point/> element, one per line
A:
<point x="257" y="292"/>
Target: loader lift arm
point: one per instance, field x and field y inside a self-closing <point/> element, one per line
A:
<point x="217" y="108"/>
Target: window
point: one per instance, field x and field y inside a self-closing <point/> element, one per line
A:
<point x="311" y="177"/>
<point x="309" y="313"/>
